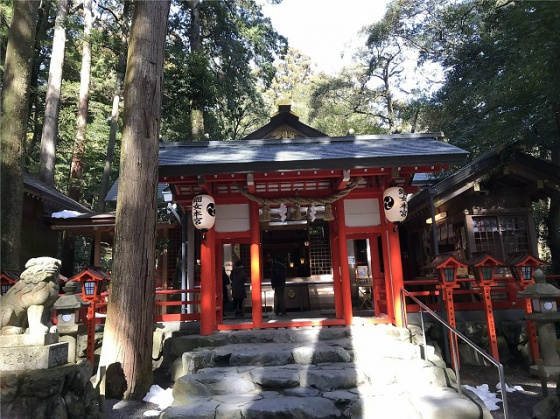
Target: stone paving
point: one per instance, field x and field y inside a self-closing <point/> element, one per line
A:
<point x="312" y="373"/>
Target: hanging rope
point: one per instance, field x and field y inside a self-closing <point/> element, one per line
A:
<point x="301" y="200"/>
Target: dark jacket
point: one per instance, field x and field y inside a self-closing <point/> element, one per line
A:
<point x="278" y="274"/>
<point x="238" y="279"/>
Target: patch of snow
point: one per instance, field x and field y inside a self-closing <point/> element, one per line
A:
<point x="152" y="413"/>
<point x="508" y="388"/>
<point x="162" y="397"/>
<point x="490" y="399"/>
<point x="65" y="214"/>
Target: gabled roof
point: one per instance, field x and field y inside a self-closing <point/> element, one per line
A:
<point x="367" y="151"/>
<point x="112" y="194"/>
<point x="50" y="195"/>
<point x="508" y="164"/>
<point x="282" y="123"/>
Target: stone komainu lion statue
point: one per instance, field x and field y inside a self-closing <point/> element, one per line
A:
<point x="29" y="302"/>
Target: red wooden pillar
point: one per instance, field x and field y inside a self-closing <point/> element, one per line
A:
<point x="396" y="275"/>
<point x="531" y="332"/>
<point x="256" y="294"/>
<point x="343" y="251"/>
<point x="337" y="289"/>
<point x="375" y="272"/>
<point x="492" y="337"/>
<point x="219" y="261"/>
<point x="207" y="284"/>
<point x="447" y="292"/>
<point x="90" y="350"/>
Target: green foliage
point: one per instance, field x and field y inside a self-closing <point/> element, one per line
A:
<point x="501" y="61"/>
<point x="238" y="47"/>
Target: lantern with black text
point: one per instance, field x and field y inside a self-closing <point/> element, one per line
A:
<point x="395" y="204"/>
<point x="203" y="212"/>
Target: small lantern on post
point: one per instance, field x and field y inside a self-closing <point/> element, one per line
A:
<point x="69" y="319"/>
<point x="93" y="282"/>
<point x="446" y="267"/>
<point x="523" y="266"/>
<point x="395" y="204"/>
<point x="203" y="212"/>
<point x="542" y="310"/>
<point x="483" y="267"/>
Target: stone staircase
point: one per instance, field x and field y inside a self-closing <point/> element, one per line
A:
<point x="337" y="372"/>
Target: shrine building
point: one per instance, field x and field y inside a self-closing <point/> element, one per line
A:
<point x="290" y="191"/>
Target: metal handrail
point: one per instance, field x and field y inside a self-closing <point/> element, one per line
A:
<point x="454" y="348"/>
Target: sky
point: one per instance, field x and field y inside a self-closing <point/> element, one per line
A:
<point x="323" y="29"/>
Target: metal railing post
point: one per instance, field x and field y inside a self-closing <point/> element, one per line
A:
<point x="455" y="350"/>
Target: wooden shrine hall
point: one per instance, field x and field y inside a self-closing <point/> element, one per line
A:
<point x="315" y="201"/>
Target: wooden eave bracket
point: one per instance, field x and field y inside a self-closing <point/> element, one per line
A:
<point x="343" y="181"/>
<point x="202" y="182"/>
<point x="251" y="183"/>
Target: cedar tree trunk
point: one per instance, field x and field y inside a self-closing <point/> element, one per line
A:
<point x="52" y="107"/>
<point x="77" y="166"/>
<point x="13" y="126"/>
<point x="128" y="335"/>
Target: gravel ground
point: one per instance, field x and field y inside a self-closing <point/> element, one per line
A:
<point x="520" y="403"/>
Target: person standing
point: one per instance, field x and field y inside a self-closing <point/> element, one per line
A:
<point x="238" y="292"/>
<point x="225" y="293"/>
<point x="278" y="283"/>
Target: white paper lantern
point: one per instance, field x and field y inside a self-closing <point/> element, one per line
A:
<point x="395" y="204"/>
<point x="203" y="212"/>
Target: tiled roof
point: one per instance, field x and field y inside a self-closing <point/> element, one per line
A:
<point x="216" y="157"/>
<point x="49" y="194"/>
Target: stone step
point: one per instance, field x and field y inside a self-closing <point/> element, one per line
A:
<point x="325" y="391"/>
<point x="361" y="372"/>
<point x="176" y="346"/>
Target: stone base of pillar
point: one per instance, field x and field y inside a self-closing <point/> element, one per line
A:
<point x="552" y="373"/>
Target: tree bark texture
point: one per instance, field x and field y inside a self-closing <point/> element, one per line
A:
<point x="110" y="153"/>
<point x="77" y="166"/>
<point x="13" y="126"/>
<point x="197" y="102"/>
<point x="115" y="111"/>
<point x="554" y="224"/>
<point x="52" y="106"/>
<point x="129" y="328"/>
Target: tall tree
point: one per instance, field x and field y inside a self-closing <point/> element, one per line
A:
<point x="77" y="165"/>
<point x="121" y="66"/>
<point x="13" y="126"/>
<point x="129" y="328"/>
<point x="501" y="85"/>
<point x="52" y="108"/>
<point x="218" y="52"/>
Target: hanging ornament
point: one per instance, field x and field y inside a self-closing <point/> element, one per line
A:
<point x="328" y="216"/>
<point x="283" y="212"/>
<point x="265" y="213"/>
<point x="203" y="212"/>
<point x="312" y="212"/>
<point x="297" y="212"/>
<point x="395" y="204"/>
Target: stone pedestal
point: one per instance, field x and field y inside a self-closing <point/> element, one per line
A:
<point x="26" y="358"/>
<point x="32" y="352"/>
